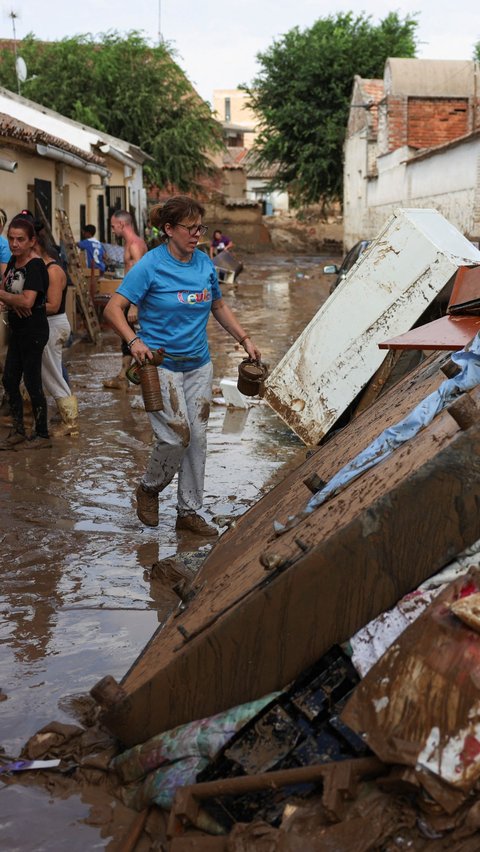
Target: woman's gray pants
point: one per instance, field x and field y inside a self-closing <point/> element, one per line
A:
<point x="181" y="436"/>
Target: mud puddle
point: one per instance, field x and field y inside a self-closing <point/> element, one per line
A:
<point x="76" y="600"/>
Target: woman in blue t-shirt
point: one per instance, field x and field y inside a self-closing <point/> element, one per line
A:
<point x="23" y="294"/>
<point x="175" y="289"/>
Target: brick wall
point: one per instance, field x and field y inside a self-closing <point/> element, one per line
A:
<point x="426" y="122"/>
<point x="397" y="115"/>
<point x="433" y="122"/>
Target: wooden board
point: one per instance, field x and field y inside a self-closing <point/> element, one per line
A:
<point x="446" y="333"/>
<point x="108" y="286"/>
<point x="466" y="286"/>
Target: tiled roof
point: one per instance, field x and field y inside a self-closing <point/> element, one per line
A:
<point x="12" y="129"/>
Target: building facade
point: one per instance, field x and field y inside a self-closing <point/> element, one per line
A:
<point x="245" y="178"/>
<point x="413" y="141"/>
<point x="68" y="165"/>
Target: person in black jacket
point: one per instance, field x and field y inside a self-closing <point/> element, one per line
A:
<point x="23" y="295"/>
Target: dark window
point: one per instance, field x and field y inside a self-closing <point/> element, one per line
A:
<point x="228" y="111"/>
<point x="43" y="195"/>
<point x="116" y="200"/>
<point x="83" y="218"/>
<point x="101" y="218"/>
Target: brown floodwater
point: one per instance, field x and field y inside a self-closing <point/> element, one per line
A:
<point x="76" y="600"/>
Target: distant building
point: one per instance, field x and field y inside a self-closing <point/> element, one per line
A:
<point x="239" y="122"/>
<point x="413" y="140"/>
<point x="245" y="178"/>
<point x="258" y="176"/>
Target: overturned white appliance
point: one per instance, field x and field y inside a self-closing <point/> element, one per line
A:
<point x="384" y="294"/>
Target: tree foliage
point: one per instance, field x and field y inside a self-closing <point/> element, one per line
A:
<point x="123" y="86"/>
<point x="303" y="90"/>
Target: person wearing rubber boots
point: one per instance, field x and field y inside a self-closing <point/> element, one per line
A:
<point x="175" y="288"/>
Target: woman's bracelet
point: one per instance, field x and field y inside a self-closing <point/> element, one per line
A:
<point x="133" y="341"/>
<point x="245" y="337"/>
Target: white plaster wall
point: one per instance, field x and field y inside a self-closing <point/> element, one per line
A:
<point x="14" y="195"/>
<point x="355" y="188"/>
<point x="279" y="200"/>
<point x="445" y="182"/>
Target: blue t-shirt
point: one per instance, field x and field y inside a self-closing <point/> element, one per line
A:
<point x="174" y="301"/>
<point x="95" y="253"/>
<point x="4" y="250"/>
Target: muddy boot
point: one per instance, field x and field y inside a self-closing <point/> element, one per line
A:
<point x="6" y="418"/>
<point x="13" y="439"/>
<point x="68" y="410"/>
<point x="147" y="506"/>
<point x="119" y="382"/>
<point x="35" y="442"/>
<point x="195" y="524"/>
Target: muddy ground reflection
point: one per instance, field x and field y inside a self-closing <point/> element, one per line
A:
<point x="76" y="600"/>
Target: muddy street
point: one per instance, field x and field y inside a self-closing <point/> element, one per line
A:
<point x="77" y="600"/>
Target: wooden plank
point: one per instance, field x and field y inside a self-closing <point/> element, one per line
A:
<point x="446" y="333"/>
<point x="77" y="274"/>
<point x="244" y="544"/>
<point x="466" y="286"/>
<point x="249" y="632"/>
<point x="376" y="383"/>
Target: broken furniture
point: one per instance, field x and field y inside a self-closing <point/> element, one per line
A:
<point x="227" y="266"/>
<point x="301" y="727"/>
<point x="419" y="704"/>
<point x="339" y="781"/>
<point x="400" y="274"/>
<point x="267" y="607"/>
<point x="76" y="270"/>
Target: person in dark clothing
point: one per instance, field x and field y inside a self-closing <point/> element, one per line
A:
<point x="23" y="295"/>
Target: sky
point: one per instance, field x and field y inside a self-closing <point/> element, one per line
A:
<point x="216" y="43"/>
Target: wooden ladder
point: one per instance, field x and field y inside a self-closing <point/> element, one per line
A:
<point x="78" y="277"/>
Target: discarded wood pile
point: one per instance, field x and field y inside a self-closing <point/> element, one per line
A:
<point x="342" y="754"/>
<point x="266" y="608"/>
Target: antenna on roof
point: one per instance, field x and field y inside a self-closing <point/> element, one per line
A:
<point x="19" y="63"/>
<point x="160" y="36"/>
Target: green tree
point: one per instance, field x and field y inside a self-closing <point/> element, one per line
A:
<point x="123" y="86"/>
<point x="302" y="95"/>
